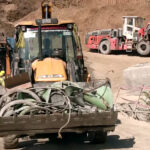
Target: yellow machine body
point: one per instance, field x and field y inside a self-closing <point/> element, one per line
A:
<point x="49" y="70"/>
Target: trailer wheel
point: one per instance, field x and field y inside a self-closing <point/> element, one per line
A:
<point x="100" y="137"/>
<point x="143" y="48"/>
<point x="11" y="142"/>
<point x="104" y="47"/>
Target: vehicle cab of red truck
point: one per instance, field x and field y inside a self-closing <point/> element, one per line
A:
<point x="132" y="24"/>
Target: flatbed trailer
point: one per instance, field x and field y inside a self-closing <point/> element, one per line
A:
<point x="51" y="123"/>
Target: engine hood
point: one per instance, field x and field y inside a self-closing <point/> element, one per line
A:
<point x="49" y="70"/>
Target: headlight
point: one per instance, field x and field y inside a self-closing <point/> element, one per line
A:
<point x="50" y="76"/>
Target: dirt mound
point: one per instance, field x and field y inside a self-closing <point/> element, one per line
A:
<point x="24" y="7"/>
<point x="68" y="3"/>
<point x="89" y="15"/>
<point x="12" y="10"/>
<point x="100" y="14"/>
<point x="7" y="28"/>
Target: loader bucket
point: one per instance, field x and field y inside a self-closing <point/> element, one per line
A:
<point x="22" y="80"/>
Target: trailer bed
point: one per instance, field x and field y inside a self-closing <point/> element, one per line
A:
<point x="50" y="123"/>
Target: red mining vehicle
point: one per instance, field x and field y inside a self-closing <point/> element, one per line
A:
<point x="133" y="36"/>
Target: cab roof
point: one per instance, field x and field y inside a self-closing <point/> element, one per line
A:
<point x="33" y="23"/>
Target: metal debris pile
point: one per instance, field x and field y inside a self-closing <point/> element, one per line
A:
<point x="60" y="97"/>
<point x="139" y="110"/>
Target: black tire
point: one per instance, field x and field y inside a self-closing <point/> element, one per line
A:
<point x="99" y="137"/>
<point x="53" y="138"/>
<point x="143" y="48"/>
<point x="11" y="142"/>
<point x="104" y="47"/>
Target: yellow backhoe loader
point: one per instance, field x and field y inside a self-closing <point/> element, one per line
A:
<point x="48" y="93"/>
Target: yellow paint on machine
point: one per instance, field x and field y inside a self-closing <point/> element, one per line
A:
<point x="2" y="77"/>
<point x="33" y="23"/>
<point x="48" y="68"/>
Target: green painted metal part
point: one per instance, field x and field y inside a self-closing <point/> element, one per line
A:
<point x="102" y="98"/>
<point x="46" y="95"/>
<point x="95" y="101"/>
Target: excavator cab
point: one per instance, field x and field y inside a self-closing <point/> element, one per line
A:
<point x="58" y="48"/>
<point x="49" y="50"/>
<point x="131" y="25"/>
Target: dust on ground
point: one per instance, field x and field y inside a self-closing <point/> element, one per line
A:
<point x="112" y="66"/>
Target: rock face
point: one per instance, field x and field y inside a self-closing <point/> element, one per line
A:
<point x="6" y="1"/>
<point x="137" y="76"/>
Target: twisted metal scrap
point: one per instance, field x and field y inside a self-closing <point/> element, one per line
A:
<point x="8" y="101"/>
<point x="10" y="104"/>
<point x="6" y="98"/>
<point x="28" y="105"/>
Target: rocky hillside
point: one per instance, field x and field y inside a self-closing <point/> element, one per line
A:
<point x="88" y="14"/>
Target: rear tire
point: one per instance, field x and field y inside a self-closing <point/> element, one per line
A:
<point x="11" y="142"/>
<point x="143" y="48"/>
<point x="98" y="137"/>
<point x="104" y="47"/>
<point x="72" y="73"/>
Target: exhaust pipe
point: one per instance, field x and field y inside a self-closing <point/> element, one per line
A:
<point x="46" y="9"/>
<point x="40" y="42"/>
<point x="46" y="14"/>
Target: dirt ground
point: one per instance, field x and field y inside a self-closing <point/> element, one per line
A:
<point x="112" y="66"/>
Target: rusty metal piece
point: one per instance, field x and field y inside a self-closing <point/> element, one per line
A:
<point x="23" y="86"/>
<point x="18" y="80"/>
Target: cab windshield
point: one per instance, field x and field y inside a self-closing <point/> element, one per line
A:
<point x="52" y="40"/>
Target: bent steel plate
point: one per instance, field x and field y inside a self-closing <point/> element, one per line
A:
<point x="17" y="80"/>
